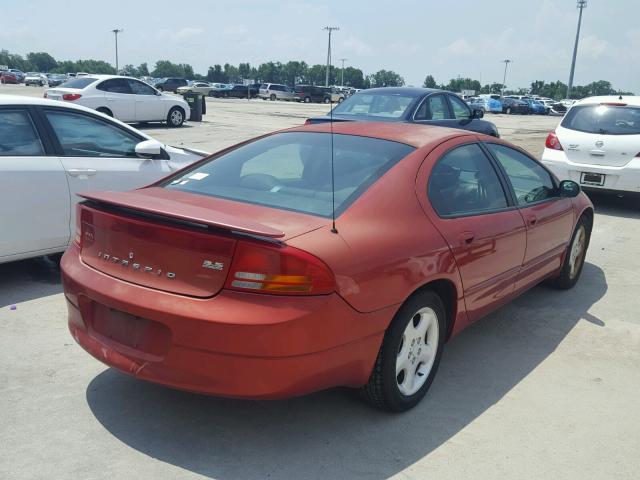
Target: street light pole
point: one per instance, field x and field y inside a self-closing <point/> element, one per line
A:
<point x="504" y="78"/>
<point x="329" y="29"/>
<point x="342" y="71"/>
<point x="116" y="31"/>
<point x="581" y="5"/>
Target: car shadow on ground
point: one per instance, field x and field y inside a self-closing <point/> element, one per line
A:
<point x="28" y="279"/>
<point x="331" y="434"/>
<point x="609" y="204"/>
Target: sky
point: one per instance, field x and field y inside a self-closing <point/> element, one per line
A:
<point x="446" y="39"/>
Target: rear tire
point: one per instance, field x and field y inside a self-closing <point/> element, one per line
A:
<point x="508" y="110"/>
<point x="272" y="97"/>
<point x="410" y="354"/>
<point x="574" y="257"/>
<point x="105" y="110"/>
<point x="175" y="118"/>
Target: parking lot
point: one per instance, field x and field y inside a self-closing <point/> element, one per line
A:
<point x="547" y="386"/>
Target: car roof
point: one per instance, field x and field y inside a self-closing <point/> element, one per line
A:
<point x="408" y="133"/>
<point x="628" y="99"/>
<point x="408" y="91"/>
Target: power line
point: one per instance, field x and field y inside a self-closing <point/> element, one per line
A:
<point x="329" y="29"/>
<point x="582" y="4"/>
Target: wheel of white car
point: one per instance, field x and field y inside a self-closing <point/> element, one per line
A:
<point x="175" y="118"/>
<point x="410" y="353"/>
<point x="105" y="110"/>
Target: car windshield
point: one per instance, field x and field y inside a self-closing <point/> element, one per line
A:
<point x="375" y="105"/>
<point x="79" y="82"/>
<point x="292" y="171"/>
<point x="603" y="119"/>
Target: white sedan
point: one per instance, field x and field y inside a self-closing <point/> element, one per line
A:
<point x="49" y="152"/>
<point x="597" y="144"/>
<point x="127" y="99"/>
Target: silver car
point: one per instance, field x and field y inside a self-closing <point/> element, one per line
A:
<point x="275" y="91"/>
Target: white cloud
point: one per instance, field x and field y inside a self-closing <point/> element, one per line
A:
<point x="593" y="47"/>
<point x="354" y="45"/>
<point x="187" y="32"/>
<point x="235" y="30"/>
<point x="459" y="47"/>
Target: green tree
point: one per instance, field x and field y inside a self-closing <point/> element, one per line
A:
<point x="143" y="70"/>
<point x="430" y="82"/>
<point x="41" y="61"/>
<point x="215" y="74"/>
<point x="386" y="78"/>
<point x="165" y="68"/>
<point x="353" y="77"/>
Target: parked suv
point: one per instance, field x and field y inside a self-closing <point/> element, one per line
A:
<point x="171" y="84"/>
<point x="311" y="93"/>
<point x="275" y="91"/>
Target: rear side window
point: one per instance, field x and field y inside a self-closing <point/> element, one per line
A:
<point x="85" y="136"/>
<point x="292" y="171"/>
<point x="603" y="119"/>
<point x="18" y="136"/>
<point x="79" y="82"/>
<point x="464" y="182"/>
<point x="115" y="85"/>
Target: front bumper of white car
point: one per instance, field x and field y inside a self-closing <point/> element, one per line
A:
<point x="618" y="179"/>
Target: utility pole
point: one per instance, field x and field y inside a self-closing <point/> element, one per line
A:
<point x="504" y="78"/>
<point x="342" y="71"/>
<point x="116" y="31"/>
<point x="329" y="29"/>
<point x="581" y="5"/>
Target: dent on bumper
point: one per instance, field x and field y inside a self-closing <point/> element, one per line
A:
<point x="234" y="344"/>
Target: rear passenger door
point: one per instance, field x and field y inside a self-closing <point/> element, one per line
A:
<point x="34" y="199"/>
<point x="547" y="215"/>
<point x="462" y="193"/>
<point x="119" y="98"/>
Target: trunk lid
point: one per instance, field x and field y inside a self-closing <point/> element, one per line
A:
<point x="175" y="241"/>
<point x="598" y="149"/>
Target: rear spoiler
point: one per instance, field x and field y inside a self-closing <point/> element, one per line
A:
<point x="157" y="202"/>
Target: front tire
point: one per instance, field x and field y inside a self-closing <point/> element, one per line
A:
<point x="574" y="257"/>
<point x="409" y="356"/>
<point x="175" y="118"/>
<point x="272" y="97"/>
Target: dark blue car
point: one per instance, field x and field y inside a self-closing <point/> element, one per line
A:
<point x="413" y="105"/>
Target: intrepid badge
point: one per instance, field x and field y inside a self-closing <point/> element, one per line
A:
<point x="212" y="265"/>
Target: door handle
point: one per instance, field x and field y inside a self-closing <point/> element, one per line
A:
<point x="532" y="219"/>
<point x="466" y="237"/>
<point x="76" y="172"/>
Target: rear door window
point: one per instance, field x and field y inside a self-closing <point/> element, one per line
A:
<point x="18" y="135"/>
<point x="292" y="171"/>
<point x="530" y="181"/>
<point x="464" y="182"/>
<point x="603" y="119"/>
<point x="115" y="85"/>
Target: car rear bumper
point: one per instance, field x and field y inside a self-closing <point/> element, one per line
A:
<point x="620" y="179"/>
<point x="234" y="344"/>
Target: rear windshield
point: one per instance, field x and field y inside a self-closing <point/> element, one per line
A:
<point x="375" y="105"/>
<point x="603" y="119"/>
<point x="79" y="82"/>
<point x="292" y="171"/>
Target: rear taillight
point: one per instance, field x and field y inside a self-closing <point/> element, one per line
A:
<point x="308" y="121"/>
<point x="71" y="96"/>
<point x="77" y="237"/>
<point x="280" y="270"/>
<point x="552" y="142"/>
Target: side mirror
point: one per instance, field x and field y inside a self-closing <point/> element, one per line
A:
<point x="477" y="113"/>
<point x="149" y="149"/>
<point x="569" y="189"/>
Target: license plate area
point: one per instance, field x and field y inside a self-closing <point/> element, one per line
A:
<point x="130" y="332"/>
<point x="596" y="179"/>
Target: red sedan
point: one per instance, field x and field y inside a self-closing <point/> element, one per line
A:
<point x="229" y="277"/>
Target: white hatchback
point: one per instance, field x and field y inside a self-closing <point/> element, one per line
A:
<point x="49" y="152"/>
<point x="127" y="99"/>
<point x="597" y="144"/>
